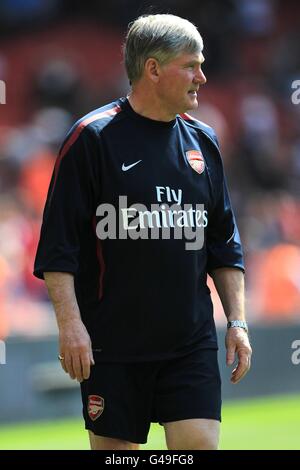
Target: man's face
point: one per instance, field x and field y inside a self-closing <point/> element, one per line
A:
<point x="179" y="81"/>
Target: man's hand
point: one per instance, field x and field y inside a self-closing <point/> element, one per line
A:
<point x="75" y="349"/>
<point x="237" y="343"/>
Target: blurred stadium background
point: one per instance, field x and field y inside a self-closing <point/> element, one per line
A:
<point x="59" y="59"/>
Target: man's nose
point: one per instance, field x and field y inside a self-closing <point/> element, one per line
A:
<point x="200" y="77"/>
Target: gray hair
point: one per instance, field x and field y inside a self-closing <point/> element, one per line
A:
<point x="162" y="37"/>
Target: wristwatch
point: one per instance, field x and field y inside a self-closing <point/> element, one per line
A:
<point x="238" y="324"/>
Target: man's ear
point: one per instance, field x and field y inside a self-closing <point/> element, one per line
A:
<point x="152" y="69"/>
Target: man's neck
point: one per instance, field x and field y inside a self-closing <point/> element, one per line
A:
<point x="148" y="105"/>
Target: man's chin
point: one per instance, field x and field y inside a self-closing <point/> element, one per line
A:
<point x="192" y="104"/>
<point x="195" y="102"/>
<point x="188" y="105"/>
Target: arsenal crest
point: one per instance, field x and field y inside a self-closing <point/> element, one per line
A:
<point x="95" y="406"/>
<point x="196" y="160"/>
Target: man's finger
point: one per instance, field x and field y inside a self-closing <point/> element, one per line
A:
<point x="61" y="358"/>
<point x="77" y="367"/>
<point x="235" y="379"/>
<point x="92" y="361"/>
<point x="241" y="370"/>
<point x="230" y="356"/>
<point x="69" y="366"/>
<point x="86" y="365"/>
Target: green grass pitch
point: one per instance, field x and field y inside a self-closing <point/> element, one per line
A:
<point x="264" y="423"/>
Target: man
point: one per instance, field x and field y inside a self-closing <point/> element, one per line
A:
<point x="132" y="302"/>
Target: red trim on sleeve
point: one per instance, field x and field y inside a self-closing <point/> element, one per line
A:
<point x="74" y="136"/>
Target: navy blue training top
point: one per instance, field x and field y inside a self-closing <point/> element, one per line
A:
<point x="145" y="298"/>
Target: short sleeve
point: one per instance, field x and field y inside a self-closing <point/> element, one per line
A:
<point x="224" y="247"/>
<point x="70" y="204"/>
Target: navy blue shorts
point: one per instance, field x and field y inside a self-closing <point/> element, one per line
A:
<point x="120" y="400"/>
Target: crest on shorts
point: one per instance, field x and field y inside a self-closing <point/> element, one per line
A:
<point x="95" y="406"/>
<point x="196" y="160"/>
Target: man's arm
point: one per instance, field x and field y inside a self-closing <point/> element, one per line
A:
<point x="74" y="341"/>
<point x="229" y="283"/>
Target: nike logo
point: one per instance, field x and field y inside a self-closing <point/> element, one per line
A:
<point x="125" y="168"/>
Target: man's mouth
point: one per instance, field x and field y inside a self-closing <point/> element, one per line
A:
<point x="192" y="92"/>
